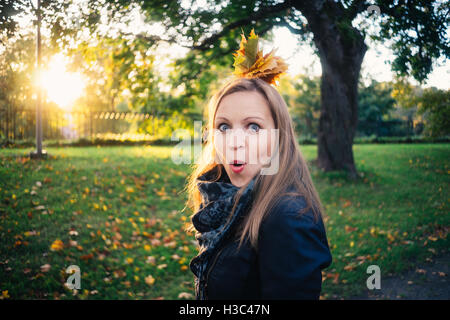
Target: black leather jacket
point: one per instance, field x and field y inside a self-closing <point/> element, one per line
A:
<point x="292" y="251"/>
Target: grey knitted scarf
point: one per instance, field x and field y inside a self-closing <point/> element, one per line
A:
<point x="210" y="221"/>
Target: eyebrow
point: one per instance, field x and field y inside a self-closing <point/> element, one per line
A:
<point x="242" y="120"/>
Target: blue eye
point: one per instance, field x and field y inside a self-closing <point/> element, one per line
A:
<point x="254" y="127"/>
<point x="220" y="126"/>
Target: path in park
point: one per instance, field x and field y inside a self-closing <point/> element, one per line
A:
<point x="427" y="281"/>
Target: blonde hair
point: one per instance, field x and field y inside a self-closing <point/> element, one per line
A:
<point x="293" y="169"/>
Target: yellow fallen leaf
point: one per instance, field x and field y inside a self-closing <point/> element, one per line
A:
<point x="129" y="260"/>
<point x="5" y="294"/>
<point x="149" y="280"/>
<point x="57" y="245"/>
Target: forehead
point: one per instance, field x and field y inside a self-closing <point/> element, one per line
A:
<point x="243" y="104"/>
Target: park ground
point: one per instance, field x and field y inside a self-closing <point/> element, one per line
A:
<point x="117" y="213"/>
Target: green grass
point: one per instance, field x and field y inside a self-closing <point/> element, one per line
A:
<point x="124" y="204"/>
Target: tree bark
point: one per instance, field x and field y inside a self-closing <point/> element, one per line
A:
<point x="341" y="49"/>
<point x="339" y="111"/>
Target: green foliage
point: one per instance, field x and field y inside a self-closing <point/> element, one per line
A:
<point x="435" y="104"/>
<point x="302" y="93"/>
<point x="418" y="30"/>
<point x="374" y="101"/>
<point x="305" y="104"/>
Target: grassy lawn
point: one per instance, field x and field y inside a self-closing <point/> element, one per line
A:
<point x="115" y="213"/>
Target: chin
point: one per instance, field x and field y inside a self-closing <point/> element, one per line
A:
<point x="238" y="179"/>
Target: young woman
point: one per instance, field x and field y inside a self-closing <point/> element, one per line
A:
<point x="258" y="223"/>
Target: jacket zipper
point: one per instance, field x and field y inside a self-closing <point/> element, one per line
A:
<point x="210" y="269"/>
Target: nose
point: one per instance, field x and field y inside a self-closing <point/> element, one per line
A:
<point x="236" y="139"/>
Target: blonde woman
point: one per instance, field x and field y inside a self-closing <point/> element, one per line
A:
<point x="257" y="215"/>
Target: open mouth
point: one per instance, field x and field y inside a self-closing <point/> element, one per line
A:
<point x="237" y="166"/>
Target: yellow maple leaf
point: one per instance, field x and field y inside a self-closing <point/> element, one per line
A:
<point x="249" y="61"/>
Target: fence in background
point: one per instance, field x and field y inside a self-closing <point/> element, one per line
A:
<point x="21" y="124"/>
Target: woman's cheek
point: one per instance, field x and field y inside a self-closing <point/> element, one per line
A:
<point x="264" y="148"/>
<point x="219" y="147"/>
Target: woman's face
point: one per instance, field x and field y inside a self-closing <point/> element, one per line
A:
<point x="243" y="132"/>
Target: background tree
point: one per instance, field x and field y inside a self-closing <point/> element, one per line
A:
<point x="304" y="101"/>
<point x="434" y="104"/>
<point x="374" y="102"/>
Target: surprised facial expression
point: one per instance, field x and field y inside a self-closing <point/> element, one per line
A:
<point x="243" y="135"/>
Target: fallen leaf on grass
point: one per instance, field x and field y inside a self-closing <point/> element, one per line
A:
<point x="73" y="243"/>
<point x="151" y="260"/>
<point x="172" y="244"/>
<point x="119" y="274"/>
<point x="336" y="278"/>
<point x="5" y="295"/>
<point x="45" y="268"/>
<point x="155" y="242"/>
<point x="57" y="245"/>
<point x="149" y="280"/>
<point x="422" y="271"/>
<point x="184" y="295"/>
<point x="86" y="257"/>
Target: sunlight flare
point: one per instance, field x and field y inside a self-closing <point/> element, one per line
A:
<point x="61" y="86"/>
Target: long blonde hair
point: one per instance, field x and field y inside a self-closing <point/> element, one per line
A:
<point x="293" y="169"/>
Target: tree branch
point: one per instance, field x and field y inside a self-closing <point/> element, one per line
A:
<point x="261" y="14"/>
<point x="355" y="8"/>
<point x="293" y="30"/>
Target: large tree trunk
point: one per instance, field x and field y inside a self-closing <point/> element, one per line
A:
<point x="341" y="50"/>
<point x="339" y="110"/>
